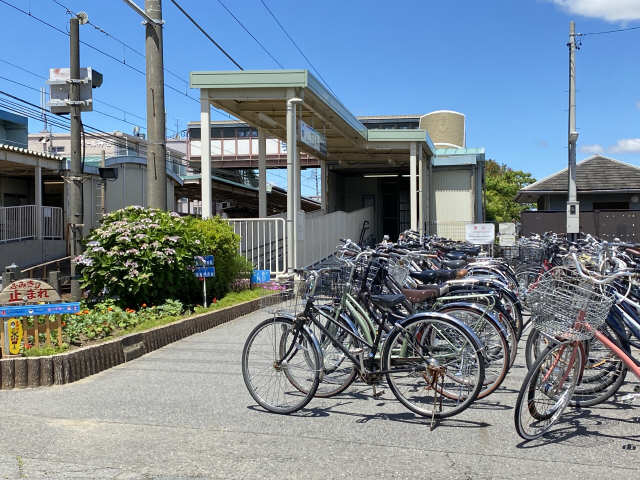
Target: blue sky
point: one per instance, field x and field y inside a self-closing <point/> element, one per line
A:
<point x="501" y="62"/>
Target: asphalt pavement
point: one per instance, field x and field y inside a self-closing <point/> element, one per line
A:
<point x="182" y="412"/>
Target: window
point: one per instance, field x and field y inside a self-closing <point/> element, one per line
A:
<point x="57" y="149"/>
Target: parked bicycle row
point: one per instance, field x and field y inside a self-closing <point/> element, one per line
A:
<point x="440" y="321"/>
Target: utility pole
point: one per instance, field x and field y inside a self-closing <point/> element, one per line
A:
<point x="573" y="206"/>
<point x="75" y="220"/>
<point x="156" y="142"/>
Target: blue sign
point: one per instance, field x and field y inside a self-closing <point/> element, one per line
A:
<point x="31" y="310"/>
<point x="204" y="261"/>
<point x="260" y="276"/>
<point x="205" y="272"/>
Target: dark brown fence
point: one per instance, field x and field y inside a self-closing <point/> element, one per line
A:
<point x="610" y="224"/>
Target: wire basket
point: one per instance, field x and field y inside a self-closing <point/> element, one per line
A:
<point x="562" y="304"/>
<point x="398" y="270"/>
<point x="531" y="253"/>
<point x="510" y="254"/>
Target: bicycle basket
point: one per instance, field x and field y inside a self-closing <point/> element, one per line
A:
<point x="398" y="270"/>
<point x="563" y="304"/>
<point x="531" y="253"/>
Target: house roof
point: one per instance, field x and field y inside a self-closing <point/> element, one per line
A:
<point x="596" y="174"/>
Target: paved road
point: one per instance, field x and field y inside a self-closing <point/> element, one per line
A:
<point x="182" y="412"/>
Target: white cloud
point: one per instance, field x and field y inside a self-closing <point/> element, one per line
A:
<point x="609" y="10"/>
<point x="626" y="145"/>
<point x="592" y="149"/>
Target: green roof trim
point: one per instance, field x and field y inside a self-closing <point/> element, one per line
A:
<point x="400" y="135"/>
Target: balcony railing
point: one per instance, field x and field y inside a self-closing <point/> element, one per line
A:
<point x="29" y="222"/>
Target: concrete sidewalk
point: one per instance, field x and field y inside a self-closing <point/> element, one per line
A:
<point x="183" y="412"/>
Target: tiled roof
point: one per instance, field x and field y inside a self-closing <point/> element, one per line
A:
<point x="594" y="174"/>
<point x="26" y="151"/>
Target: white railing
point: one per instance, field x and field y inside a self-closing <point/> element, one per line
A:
<point x="262" y="242"/>
<point x="30" y="222"/>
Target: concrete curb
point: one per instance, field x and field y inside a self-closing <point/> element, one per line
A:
<point x="21" y="372"/>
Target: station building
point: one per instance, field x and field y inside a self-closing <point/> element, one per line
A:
<point x="411" y="171"/>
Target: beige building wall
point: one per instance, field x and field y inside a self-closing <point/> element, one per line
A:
<point x="453" y="195"/>
<point x="446" y="128"/>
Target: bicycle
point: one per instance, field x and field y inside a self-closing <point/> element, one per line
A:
<point x="569" y="307"/>
<point x="432" y="362"/>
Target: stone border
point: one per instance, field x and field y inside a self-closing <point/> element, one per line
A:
<point x="22" y="372"/>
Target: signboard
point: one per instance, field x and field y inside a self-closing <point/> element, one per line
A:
<point x="28" y="291"/>
<point x="507" y="240"/>
<point x="480" y="233"/>
<point x="313" y="138"/>
<point x="508" y="228"/>
<point x="204" y="266"/>
<point x="260" y="276"/>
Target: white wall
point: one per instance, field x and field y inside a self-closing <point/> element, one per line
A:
<point x="323" y="232"/>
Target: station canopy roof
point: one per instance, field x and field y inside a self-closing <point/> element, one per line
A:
<point x="259" y="97"/>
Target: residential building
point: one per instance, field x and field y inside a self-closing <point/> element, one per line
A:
<point x="609" y="194"/>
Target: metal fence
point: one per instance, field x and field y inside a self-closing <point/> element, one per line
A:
<point x="28" y="222"/>
<point x="452" y="230"/>
<point x="262" y="242"/>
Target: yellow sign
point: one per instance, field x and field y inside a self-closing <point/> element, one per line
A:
<point x="15" y="335"/>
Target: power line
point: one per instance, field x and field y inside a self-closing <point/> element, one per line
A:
<point x="121" y="42"/>
<point x="609" y="31"/>
<point x="29" y="14"/>
<point x="251" y="34"/>
<point x="206" y="34"/>
<point x="296" y="45"/>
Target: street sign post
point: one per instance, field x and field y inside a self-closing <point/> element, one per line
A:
<point x="204" y="268"/>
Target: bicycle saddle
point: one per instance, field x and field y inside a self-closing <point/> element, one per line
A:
<point x="387" y="302"/>
<point x="426" y="292"/>
<point x="456" y="256"/>
<point x="453" y="263"/>
<point x="437" y="276"/>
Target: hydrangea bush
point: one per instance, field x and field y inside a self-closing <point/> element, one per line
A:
<point x="140" y="255"/>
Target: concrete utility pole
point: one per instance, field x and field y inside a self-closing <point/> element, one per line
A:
<point x="75" y="220"/>
<point x="156" y="142"/>
<point x="573" y="206"/>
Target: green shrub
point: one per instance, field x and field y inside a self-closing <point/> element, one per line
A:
<point x="140" y="256"/>
<point x="219" y="240"/>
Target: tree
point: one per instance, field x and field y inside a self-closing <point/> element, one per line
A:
<point x="501" y="186"/>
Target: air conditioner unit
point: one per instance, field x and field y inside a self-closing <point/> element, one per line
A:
<point x="223" y="205"/>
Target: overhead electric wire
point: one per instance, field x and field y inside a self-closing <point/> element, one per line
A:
<point x="171" y="87"/>
<point x="296" y="45"/>
<point x="191" y="19"/>
<point x="609" y="31"/>
<point x="36" y="112"/>
<point x="251" y="34"/>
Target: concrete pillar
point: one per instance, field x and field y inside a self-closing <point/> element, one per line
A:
<point x="422" y="186"/>
<point x="38" y="201"/>
<point x="425" y="171"/>
<point x="262" y="174"/>
<point x="324" y="184"/>
<point x="293" y="194"/>
<point x="205" y="153"/>
<point x="413" y="185"/>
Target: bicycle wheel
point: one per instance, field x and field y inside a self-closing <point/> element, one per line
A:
<point x="536" y="344"/>
<point x="338" y="371"/>
<point x="434" y="365"/>
<point x="604" y="372"/>
<point x="495" y="348"/>
<point x="276" y="354"/>
<point x="547" y="389"/>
